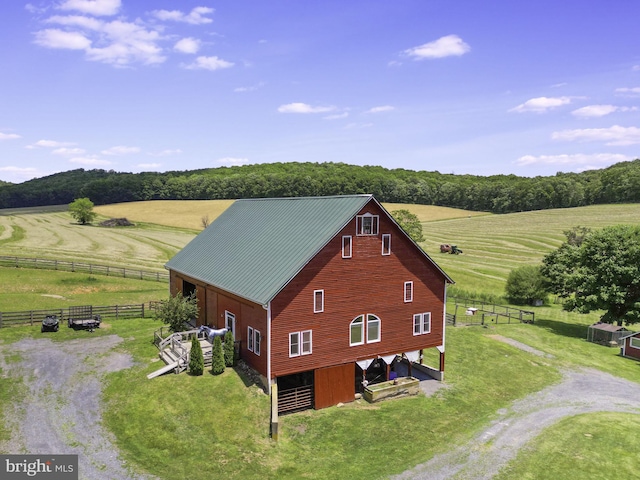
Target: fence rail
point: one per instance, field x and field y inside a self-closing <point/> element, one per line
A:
<point x="478" y="312"/>
<point x="90" y="268"/>
<point x="31" y="317"/>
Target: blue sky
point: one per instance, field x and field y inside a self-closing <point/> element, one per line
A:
<point x="525" y="88"/>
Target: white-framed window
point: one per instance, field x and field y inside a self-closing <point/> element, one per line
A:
<point x="386" y="244"/>
<point x="230" y="322"/>
<point x="422" y="323"/>
<point x="346" y="246"/>
<point x="373" y="328"/>
<point x="300" y="343"/>
<point x="250" y="339"/>
<point x="634" y="342"/>
<point x="256" y="342"/>
<point x="367" y="224"/>
<point x="318" y="301"/>
<point x="408" y="292"/>
<point x="356" y="331"/>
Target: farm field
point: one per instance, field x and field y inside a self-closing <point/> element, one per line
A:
<point x="210" y="427"/>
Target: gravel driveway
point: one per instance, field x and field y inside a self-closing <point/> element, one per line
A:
<point x="62" y="413"/>
<point x="581" y="391"/>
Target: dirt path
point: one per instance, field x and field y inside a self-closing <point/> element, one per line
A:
<point x="62" y="412"/>
<point x="581" y="391"/>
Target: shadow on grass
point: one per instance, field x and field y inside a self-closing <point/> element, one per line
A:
<point x="562" y="328"/>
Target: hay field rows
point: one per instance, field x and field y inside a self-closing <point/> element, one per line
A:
<point x="493" y="244"/>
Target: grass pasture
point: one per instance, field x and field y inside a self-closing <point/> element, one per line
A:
<point x="183" y="427"/>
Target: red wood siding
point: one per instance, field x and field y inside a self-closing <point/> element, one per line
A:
<point x="366" y="283"/>
<point x="630" y="351"/>
<point x="333" y="385"/>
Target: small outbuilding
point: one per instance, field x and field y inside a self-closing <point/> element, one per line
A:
<point x="606" y="334"/>
<point x="631" y="346"/>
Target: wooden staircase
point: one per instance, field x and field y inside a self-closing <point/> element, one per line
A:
<point x="174" y="351"/>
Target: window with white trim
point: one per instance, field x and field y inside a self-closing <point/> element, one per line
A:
<point x="367" y="224"/>
<point x="300" y="343"/>
<point x="318" y="301"/>
<point x="346" y="246"/>
<point x="373" y="328"/>
<point x="256" y="342"/>
<point x="408" y="292"/>
<point x="386" y="244"/>
<point x="359" y="330"/>
<point x="250" y="339"/>
<point x="356" y="331"/>
<point x="634" y="342"/>
<point x="422" y="323"/>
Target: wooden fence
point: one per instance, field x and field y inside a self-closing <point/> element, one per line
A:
<point x="92" y="269"/>
<point x="31" y="317"/>
<point x="477" y="312"/>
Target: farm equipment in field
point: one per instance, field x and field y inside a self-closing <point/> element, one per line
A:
<point x="50" y="324"/>
<point x="452" y="249"/>
<point x="82" y="317"/>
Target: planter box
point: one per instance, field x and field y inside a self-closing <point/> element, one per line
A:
<point x="393" y="388"/>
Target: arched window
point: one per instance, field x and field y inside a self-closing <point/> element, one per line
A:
<point x="373" y="328"/>
<point x="356" y="331"/>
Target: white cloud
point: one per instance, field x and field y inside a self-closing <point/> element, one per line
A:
<point x="9" y="136"/>
<point x="578" y="159"/>
<point x="90" y="161"/>
<point x="384" y="108"/>
<point x="303" y="108"/>
<point x="120" y="150"/>
<point x="615" y="136"/>
<point x="118" y="42"/>
<point x="636" y="68"/>
<point x="166" y="153"/>
<point x="195" y="17"/>
<point x="208" y="63"/>
<point x="337" y="116"/>
<point x="187" y="45"/>
<point x="92" y="7"/>
<point x="253" y="88"/>
<point x="19" y="174"/>
<point x="600" y="110"/>
<point x="68" y="151"/>
<point x="628" y="92"/>
<point x="450" y="45"/>
<point x="51" y="144"/>
<point x="56" y="38"/>
<point x="233" y="161"/>
<point x="541" y="104"/>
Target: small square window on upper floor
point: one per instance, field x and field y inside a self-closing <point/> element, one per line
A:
<point x="367" y="224"/>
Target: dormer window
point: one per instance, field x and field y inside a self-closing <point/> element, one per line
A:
<point x="367" y="224"/>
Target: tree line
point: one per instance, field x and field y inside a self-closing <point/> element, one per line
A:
<point x="619" y="183"/>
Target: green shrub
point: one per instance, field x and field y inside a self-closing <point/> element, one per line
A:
<point x="196" y="358"/>
<point x="525" y="285"/>
<point x="217" y="362"/>
<point x="228" y="349"/>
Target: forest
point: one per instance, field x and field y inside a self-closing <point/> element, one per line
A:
<point x="619" y="183"/>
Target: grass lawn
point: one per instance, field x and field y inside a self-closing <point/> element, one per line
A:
<point x="597" y="446"/>
<point x="30" y="289"/>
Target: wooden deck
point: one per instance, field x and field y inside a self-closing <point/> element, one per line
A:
<point x="174" y="351"/>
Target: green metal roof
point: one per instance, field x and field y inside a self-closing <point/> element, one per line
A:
<point x="258" y="245"/>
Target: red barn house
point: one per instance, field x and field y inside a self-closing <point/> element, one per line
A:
<point x="322" y="292"/>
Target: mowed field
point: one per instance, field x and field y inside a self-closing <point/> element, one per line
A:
<point x="492" y="244"/>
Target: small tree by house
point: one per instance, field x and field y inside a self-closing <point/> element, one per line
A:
<point x="526" y="285"/>
<point x="82" y="210"/>
<point x="176" y="311"/>
<point x="217" y="361"/>
<point x="228" y="349"/>
<point x="410" y="223"/>
<point x="196" y="358"/>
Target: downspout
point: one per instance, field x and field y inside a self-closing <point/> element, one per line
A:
<point x="441" y="348"/>
<point x="269" y="348"/>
